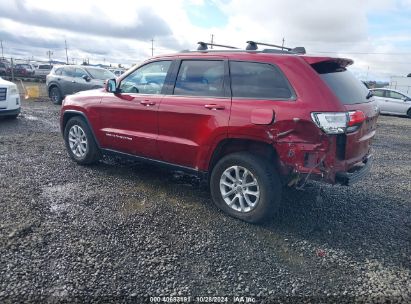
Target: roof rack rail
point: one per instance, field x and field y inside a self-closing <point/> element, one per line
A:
<point x="253" y="45"/>
<point x="202" y="46"/>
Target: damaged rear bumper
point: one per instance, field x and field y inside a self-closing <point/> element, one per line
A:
<point x="356" y="173"/>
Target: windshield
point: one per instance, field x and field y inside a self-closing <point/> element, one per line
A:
<point x="100" y="74"/>
<point x="342" y="82"/>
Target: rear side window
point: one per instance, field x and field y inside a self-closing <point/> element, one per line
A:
<point x="58" y="71"/>
<point x="200" y="78"/>
<point x="345" y="86"/>
<point x="378" y="93"/>
<point x="258" y="80"/>
<point x="67" y="72"/>
<point x="45" y="67"/>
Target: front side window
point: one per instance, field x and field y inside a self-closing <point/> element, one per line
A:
<point x="148" y="79"/>
<point x="394" y="95"/>
<point x="258" y="80"/>
<point x="78" y="73"/>
<point x="200" y="78"/>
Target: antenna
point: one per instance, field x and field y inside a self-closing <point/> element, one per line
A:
<point x="202" y="46"/>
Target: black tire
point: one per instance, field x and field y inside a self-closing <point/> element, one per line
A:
<point x="12" y="116"/>
<point x="267" y="178"/>
<point x="91" y="153"/>
<point x="56" y="96"/>
<point x="409" y="113"/>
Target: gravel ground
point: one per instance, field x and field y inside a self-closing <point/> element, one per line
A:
<point x="122" y="231"/>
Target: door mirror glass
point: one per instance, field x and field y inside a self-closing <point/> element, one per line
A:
<point x="111" y="86"/>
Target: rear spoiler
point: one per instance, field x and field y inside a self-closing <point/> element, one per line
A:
<point x="342" y="62"/>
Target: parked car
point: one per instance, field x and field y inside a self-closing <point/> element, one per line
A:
<point x="23" y="69"/>
<point x="66" y="80"/>
<point x="9" y="99"/>
<point x="117" y="72"/>
<point x="3" y="68"/>
<point x="43" y="70"/>
<point x="247" y="122"/>
<point x="392" y="101"/>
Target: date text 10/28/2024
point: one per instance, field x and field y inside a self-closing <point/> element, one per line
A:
<point x="200" y="299"/>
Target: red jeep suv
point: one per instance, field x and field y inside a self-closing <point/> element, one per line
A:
<point x="249" y="122"/>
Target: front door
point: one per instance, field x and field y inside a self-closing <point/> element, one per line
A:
<point x="195" y="116"/>
<point x="129" y="118"/>
<point x="395" y="104"/>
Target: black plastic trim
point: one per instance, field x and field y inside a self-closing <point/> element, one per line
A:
<point x="359" y="172"/>
<point x="188" y="170"/>
<point x="9" y="112"/>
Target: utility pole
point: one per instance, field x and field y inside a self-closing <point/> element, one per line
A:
<point x="12" y="69"/>
<point x="49" y="53"/>
<point x="65" y="42"/>
<point x="282" y="46"/>
<point x="2" y="54"/>
<point x="152" y="47"/>
<point x="212" y="41"/>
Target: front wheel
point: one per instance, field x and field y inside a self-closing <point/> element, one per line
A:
<point x="80" y="142"/>
<point x="246" y="187"/>
<point x="409" y="113"/>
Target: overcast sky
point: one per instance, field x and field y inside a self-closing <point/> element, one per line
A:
<point x="375" y="33"/>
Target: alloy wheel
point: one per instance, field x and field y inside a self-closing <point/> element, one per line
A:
<point x="77" y="141"/>
<point x="239" y="188"/>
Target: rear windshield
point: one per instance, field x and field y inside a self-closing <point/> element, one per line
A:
<point x="348" y="89"/>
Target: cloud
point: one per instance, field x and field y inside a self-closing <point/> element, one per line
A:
<point x="369" y="32"/>
<point x="148" y="24"/>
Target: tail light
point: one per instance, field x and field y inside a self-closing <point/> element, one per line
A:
<point x="356" y="119"/>
<point x="338" y="122"/>
<point x="331" y="122"/>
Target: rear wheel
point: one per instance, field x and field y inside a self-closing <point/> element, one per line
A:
<point x="55" y="95"/>
<point x="246" y="187"/>
<point x="80" y="142"/>
<point x="409" y="113"/>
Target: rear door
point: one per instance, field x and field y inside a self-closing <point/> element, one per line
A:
<point x="67" y="83"/>
<point x="355" y="97"/>
<point x="194" y="115"/>
<point x="379" y="97"/>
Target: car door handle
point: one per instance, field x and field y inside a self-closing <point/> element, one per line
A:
<point x="147" y="103"/>
<point x="214" y="107"/>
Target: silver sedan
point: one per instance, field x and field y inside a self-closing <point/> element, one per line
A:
<point x="392" y="102"/>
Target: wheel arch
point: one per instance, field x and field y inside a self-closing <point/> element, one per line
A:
<point x="68" y="114"/>
<point x="232" y="145"/>
<point x="53" y="85"/>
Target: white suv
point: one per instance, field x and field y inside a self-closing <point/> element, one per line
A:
<point x="9" y="99"/>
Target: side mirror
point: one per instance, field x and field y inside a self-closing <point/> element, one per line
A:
<point x="111" y="86"/>
<point x="86" y="78"/>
